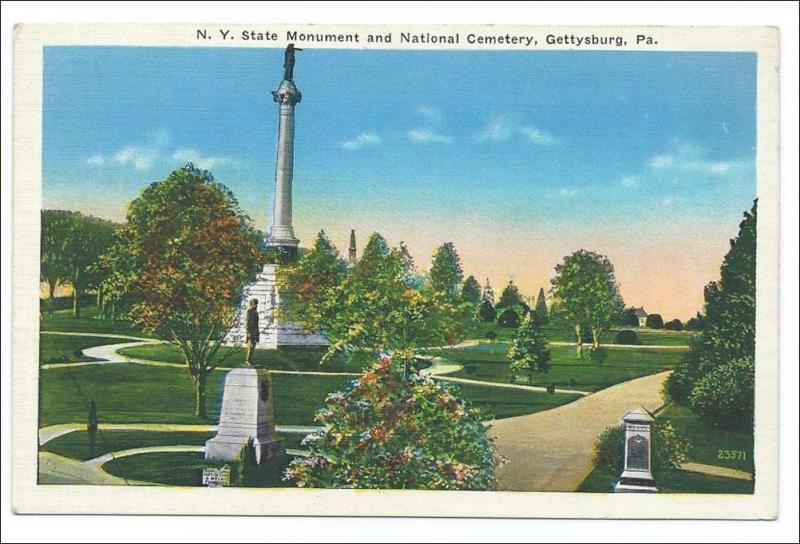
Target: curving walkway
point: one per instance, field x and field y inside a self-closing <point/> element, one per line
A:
<point x="552" y="450"/>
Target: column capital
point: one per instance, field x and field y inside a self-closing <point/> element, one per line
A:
<point x="287" y="93"/>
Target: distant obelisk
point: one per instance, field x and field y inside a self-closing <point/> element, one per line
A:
<point x="281" y="238"/>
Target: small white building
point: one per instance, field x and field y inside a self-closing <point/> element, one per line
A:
<point x="641" y="315"/>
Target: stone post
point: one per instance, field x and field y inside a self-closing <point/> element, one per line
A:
<point x="637" y="476"/>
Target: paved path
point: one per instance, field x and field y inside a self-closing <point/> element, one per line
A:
<point x="714" y="470"/>
<point x="46" y="434"/>
<point x="472" y="343"/>
<point x="104" y="335"/>
<point x="552" y="450"/>
<point x="55" y="469"/>
<point x="510" y="385"/>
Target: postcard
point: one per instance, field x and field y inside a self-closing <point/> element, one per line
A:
<point x="474" y="271"/>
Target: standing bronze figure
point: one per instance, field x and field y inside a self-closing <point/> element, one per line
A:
<point x="288" y="62"/>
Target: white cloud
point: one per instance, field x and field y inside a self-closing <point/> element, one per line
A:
<point x="567" y="192"/>
<point x="205" y="162"/>
<point x="720" y="167"/>
<point x="500" y="128"/>
<point x="96" y="160"/>
<point x="661" y="161"/>
<point x="628" y="181"/>
<point x="362" y="140"/>
<point x="139" y="158"/>
<point x="430" y="113"/>
<point x="425" y="136"/>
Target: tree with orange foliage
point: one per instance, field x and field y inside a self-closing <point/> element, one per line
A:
<point x="184" y="254"/>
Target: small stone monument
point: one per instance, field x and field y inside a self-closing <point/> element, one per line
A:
<point x="246" y="413"/>
<point x="636" y="476"/>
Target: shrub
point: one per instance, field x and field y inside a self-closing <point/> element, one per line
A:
<point x="694" y="324"/>
<point x="725" y="396"/>
<point x="598" y="354"/>
<point x="508" y="319"/>
<point x="670" y="449"/>
<point x="486" y="312"/>
<point x="390" y="432"/>
<point x="491" y="335"/>
<point x="626" y="337"/>
<point x="551" y="388"/>
<point x="654" y="321"/>
<point x="674" y="325"/>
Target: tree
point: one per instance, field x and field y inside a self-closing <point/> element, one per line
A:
<point x="629" y="318"/>
<point x="488" y="293"/>
<point x="471" y="291"/>
<point x="486" y="312"/>
<point x="71" y="244"/>
<point x="446" y="273"/>
<point x="386" y="432"/>
<point x="528" y="351"/>
<point x="674" y="325"/>
<point x="654" y="321"/>
<point x="585" y="293"/>
<point x="509" y="318"/>
<point x="378" y="307"/>
<point x="541" y="306"/>
<point x="304" y="286"/>
<point x="511" y="297"/>
<point x="727" y="336"/>
<point x="186" y="251"/>
<point x="694" y="323"/>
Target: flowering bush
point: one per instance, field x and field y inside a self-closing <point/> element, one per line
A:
<point x="390" y="432"/>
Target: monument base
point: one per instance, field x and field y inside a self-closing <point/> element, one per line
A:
<point x="635" y="483"/>
<point x="273" y="333"/>
<point x="229" y="448"/>
<point x="246" y="415"/>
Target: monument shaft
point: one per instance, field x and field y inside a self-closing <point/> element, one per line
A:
<point x="281" y="234"/>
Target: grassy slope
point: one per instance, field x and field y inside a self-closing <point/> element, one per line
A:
<point x="90" y="321"/>
<point x="284" y="358"/>
<point x="76" y="445"/>
<point x="647" y="337"/>
<point x="61" y="349"/>
<point x="708" y="440"/>
<point x="680" y="482"/>
<point x="186" y="469"/>
<point x="139" y="393"/>
<point x="488" y="362"/>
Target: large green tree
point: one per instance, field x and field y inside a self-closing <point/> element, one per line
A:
<point x="446" y="272"/>
<point x="72" y="244"/>
<point x="727" y="338"/>
<point x="511" y="297"/>
<point x="377" y="306"/>
<point x="184" y="255"/>
<point x="585" y="293"/>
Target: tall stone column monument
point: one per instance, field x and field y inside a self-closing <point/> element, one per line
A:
<point x="281" y="241"/>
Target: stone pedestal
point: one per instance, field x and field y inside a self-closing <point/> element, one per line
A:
<point x="246" y="414"/>
<point x="637" y="477"/>
<point x="274" y="333"/>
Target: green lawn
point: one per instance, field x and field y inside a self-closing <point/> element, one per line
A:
<point x="90" y="321"/>
<point x="647" y="337"/>
<point x="133" y="393"/>
<point x="488" y="362"/>
<point x="186" y="469"/>
<point x="679" y="482"/>
<point x="710" y="444"/>
<point x="56" y="348"/>
<point x="76" y="445"/>
<point x="284" y="358"/>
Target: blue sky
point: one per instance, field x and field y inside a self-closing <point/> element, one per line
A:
<point x="518" y="157"/>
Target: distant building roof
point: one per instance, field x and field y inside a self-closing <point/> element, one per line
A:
<point x="640" y="312"/>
